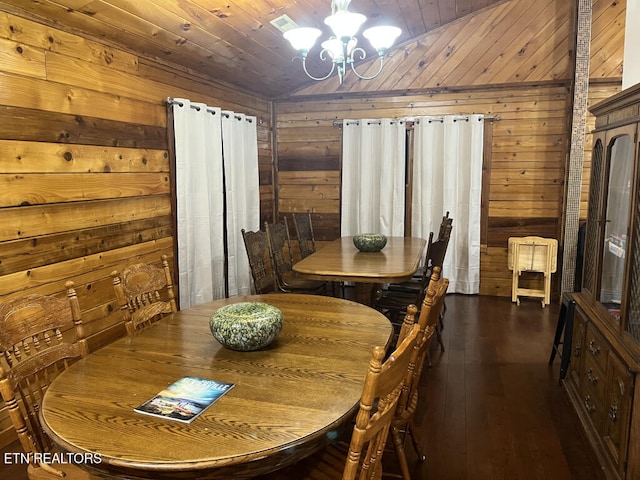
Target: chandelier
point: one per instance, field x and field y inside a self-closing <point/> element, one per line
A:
<point x="341" y="48"/>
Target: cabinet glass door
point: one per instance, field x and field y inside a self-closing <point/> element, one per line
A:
<point x="616" y="223"/>
<point x="590" y="277"/>
<point x="633" y="297"/>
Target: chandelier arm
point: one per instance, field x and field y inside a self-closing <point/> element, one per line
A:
<point x="363" y="77"/>
<point x="304" y="67"/>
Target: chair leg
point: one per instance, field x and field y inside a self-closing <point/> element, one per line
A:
<point x="415" y="441"/>
<point x="444" y="310"/>
<point x="439" y="337"/>
<point x="438" y="332"/>
<point x="341" y="288"/>
<point x="398" y="442"/>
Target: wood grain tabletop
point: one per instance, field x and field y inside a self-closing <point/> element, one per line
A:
<point x="287" y="402"/>
<point x="341" y="261"/>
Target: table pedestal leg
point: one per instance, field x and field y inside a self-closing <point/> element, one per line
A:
<point x="365" y="293"/>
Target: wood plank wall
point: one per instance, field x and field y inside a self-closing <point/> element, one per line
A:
<point x="518" y="70"/>
<point x="84" y="166"/>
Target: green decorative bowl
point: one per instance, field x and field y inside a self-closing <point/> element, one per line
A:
<point x="370" y="242"/>
<point x="246" y="326"/>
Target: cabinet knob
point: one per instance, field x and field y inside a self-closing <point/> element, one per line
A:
<point x="589" y="405"/>
<point x="594" y="348"/>
<point x="591" y="377"/>
<point x="613" y="412"/>
<point x="576" y="350"/>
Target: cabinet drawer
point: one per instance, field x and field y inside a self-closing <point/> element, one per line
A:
<point x="593" y="379"/>
<point x="596" y="347"/>
<point x="577" y="348"/>
<point x="617" y="404"/>
<point x="593" y="407"/>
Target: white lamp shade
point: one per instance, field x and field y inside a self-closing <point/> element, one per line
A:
<point x="345" y="24"/>
<point x="302" y="38"/>
<point x="334" y="47"/>
<point x="382" y="38"/>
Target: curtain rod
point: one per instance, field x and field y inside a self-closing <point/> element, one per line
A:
<point x="171" y="101"/>
<point x="371" y="122"/>
<point x="339" y="123"/>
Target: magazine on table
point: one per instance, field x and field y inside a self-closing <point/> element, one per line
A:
<point x="185" y="399"/>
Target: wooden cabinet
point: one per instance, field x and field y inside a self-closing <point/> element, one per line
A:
<point x="602" y="382"/>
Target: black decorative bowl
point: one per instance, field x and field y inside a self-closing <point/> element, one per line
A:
<point x="370" y="242"/>
<point x="246" y="326"/>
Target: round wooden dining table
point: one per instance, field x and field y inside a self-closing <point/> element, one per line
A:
<point x="288" y="400"/>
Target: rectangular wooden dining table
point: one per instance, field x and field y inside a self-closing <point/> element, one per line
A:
<point x="288" y="400"/>
<point x="341" y="261"/>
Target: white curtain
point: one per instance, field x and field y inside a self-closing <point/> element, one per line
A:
<point x="199" y="191"/>
<point x="447" y="176"/>
<point x="201" y="166"/>
<point x="373" y="177"/>
<point x="240" y="147"/>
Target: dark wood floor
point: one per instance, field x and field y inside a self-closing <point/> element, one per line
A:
<point x="493" y="409"/>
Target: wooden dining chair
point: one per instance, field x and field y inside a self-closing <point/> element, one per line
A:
<point x="40" y="336"/>
<point x="444" y="233"/>
<point x="304" y="233"/>
<point x="397" y="300"/>
<point x="282" y="259"/>
<point x="445" y="227"/>
<point x="394" y="300"/>
<point x="307" y="245"/>
<point x="403" y="422"/>
<point x="257" y="247"/>
<point x="362" y="456"/>
<point x="424" y="272"/>
<point x="145" y="294"/>
<point x="396" y="297"/>
<point x="401" y="293"/>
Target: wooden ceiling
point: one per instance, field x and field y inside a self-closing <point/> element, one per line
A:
<point x="233" y="41"/>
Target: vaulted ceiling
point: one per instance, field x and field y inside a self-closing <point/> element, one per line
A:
<point x="233" y="41"/>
